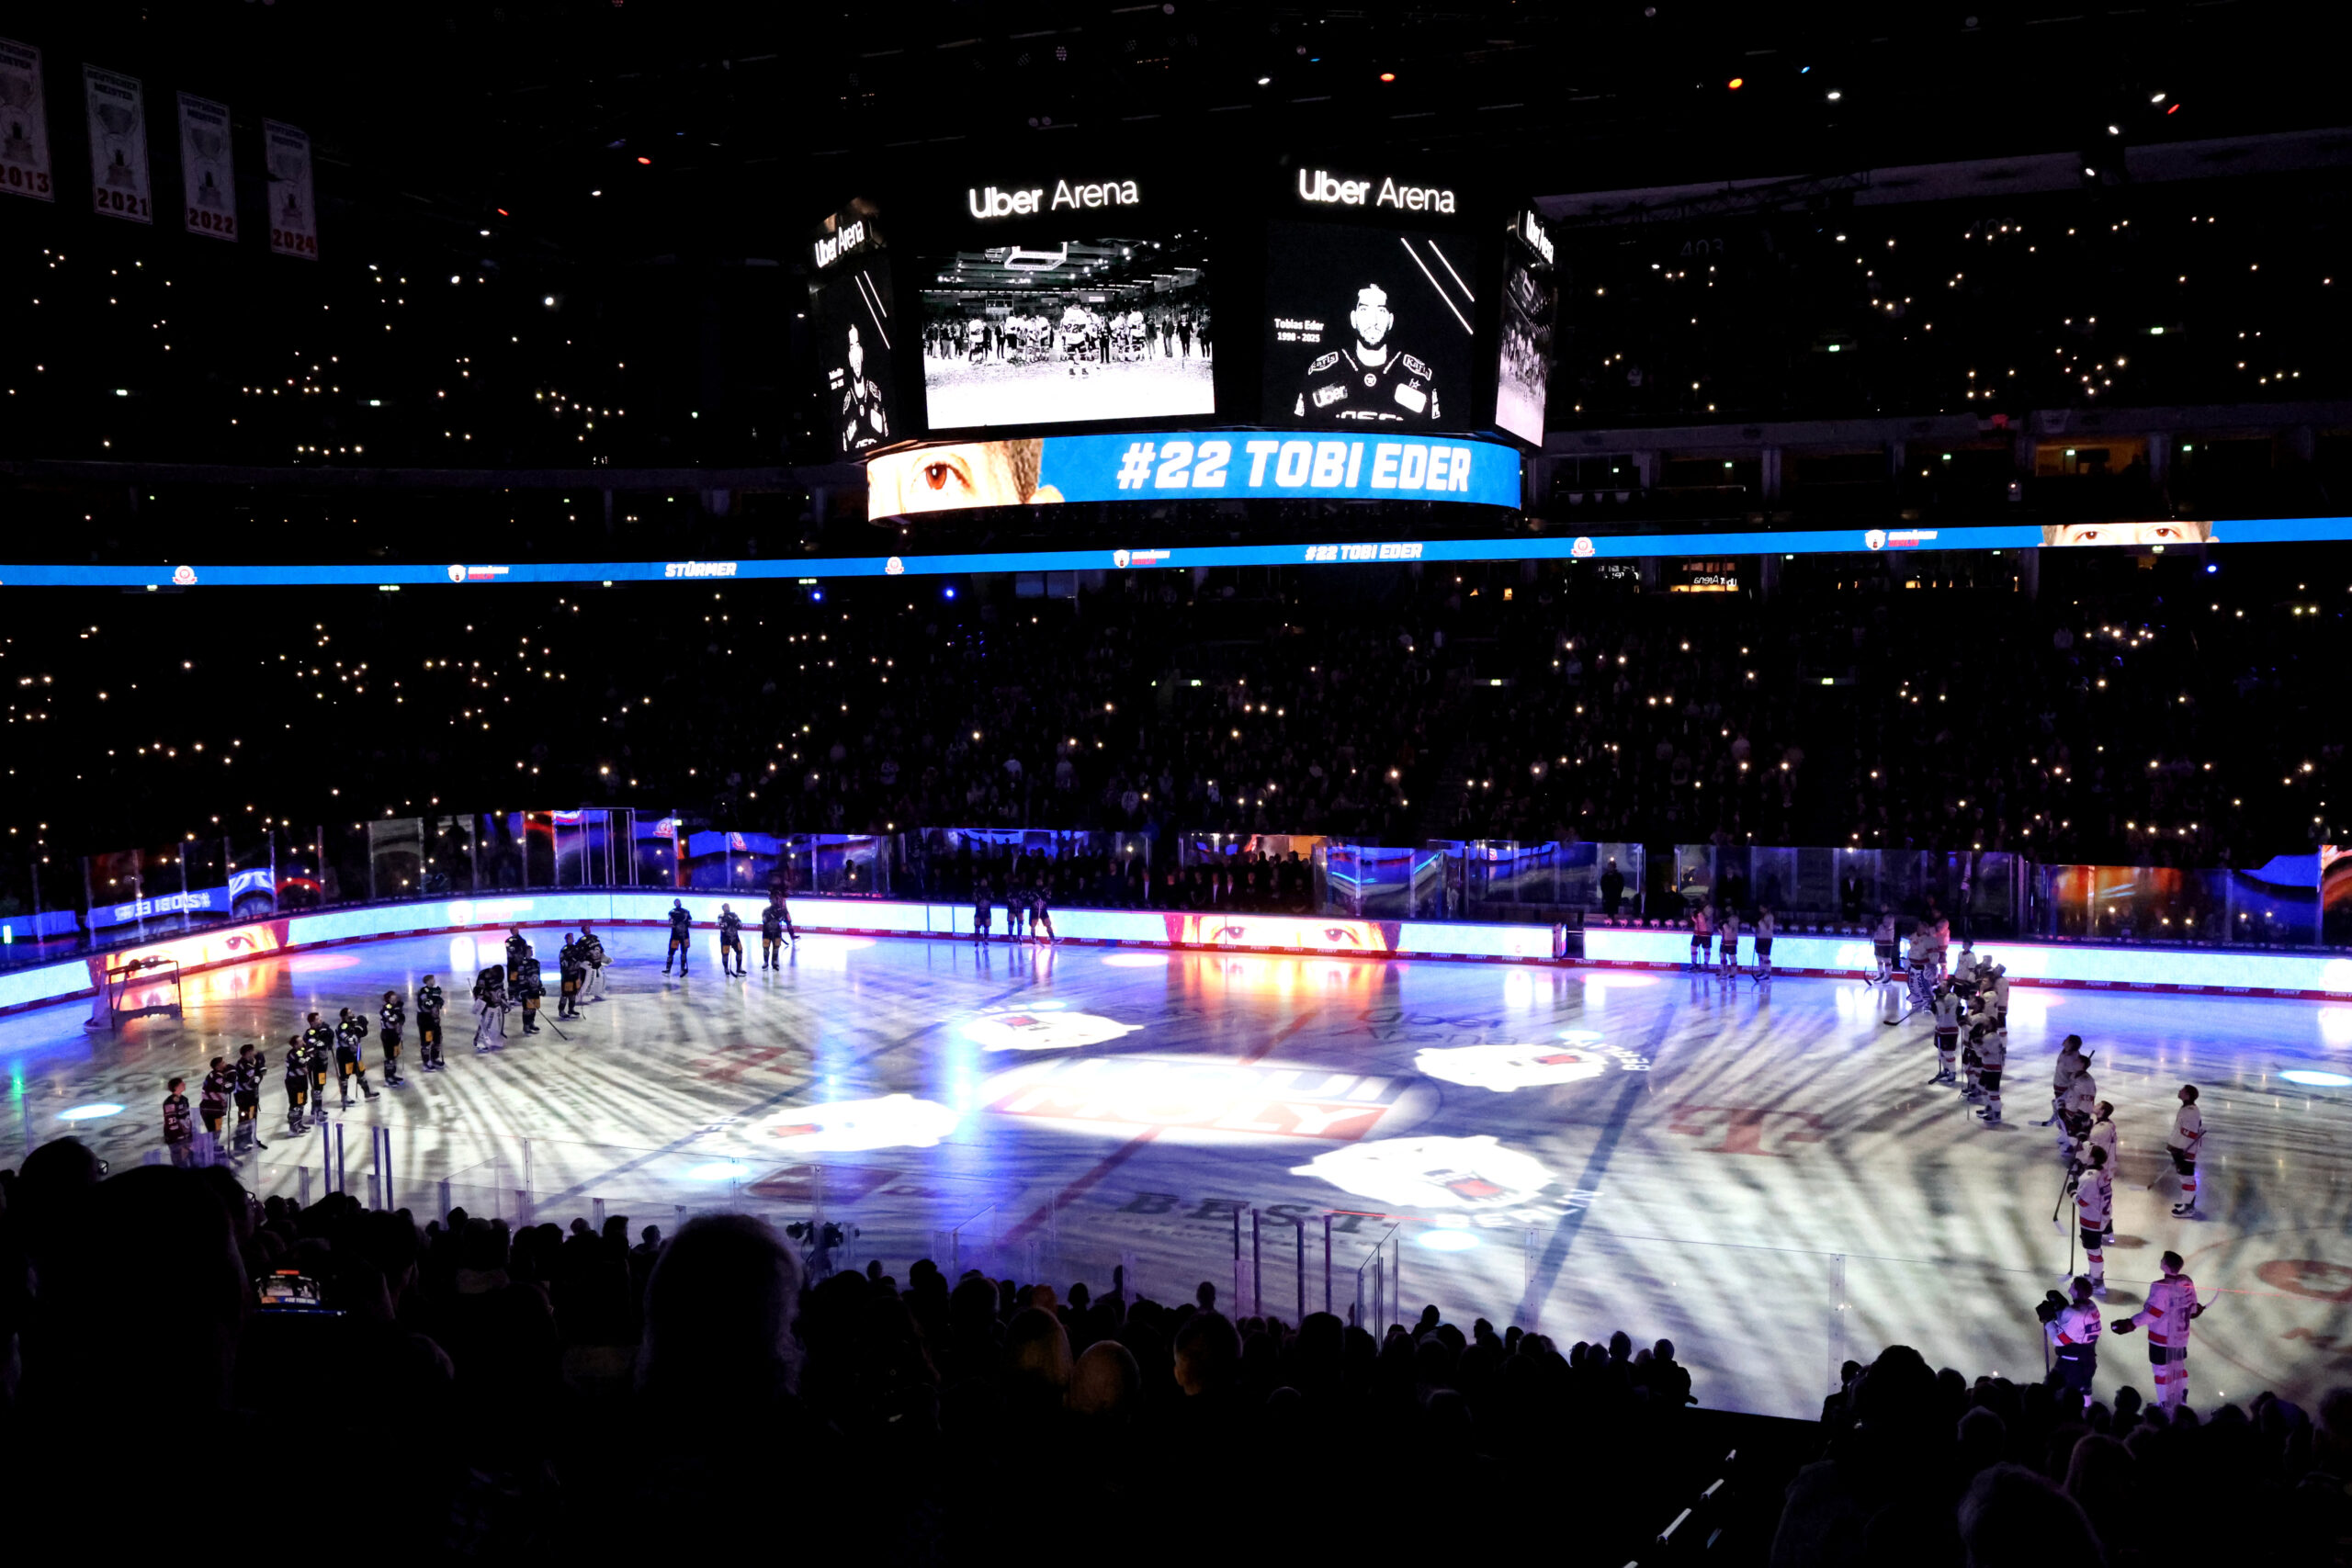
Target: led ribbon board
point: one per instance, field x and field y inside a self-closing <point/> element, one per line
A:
<point x="1121" y="555"/>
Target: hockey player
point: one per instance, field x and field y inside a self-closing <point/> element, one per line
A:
<point x="2075" y="1111"/>
<point x="2172" y="1307"/>
<point x="2074" y="1343"/>
<point x="212" y="1098"/>
<point x="318" y="1041"/>
<point x="490" y="1002"/>
<point x="393" y="1017"/>
<point x="772" y="935"/>
<point x="1882" y="946"/>
<point x="1727" y="938"/>
<point x="247" y="1070"/>
<point x="429" y="1002"/>
<point x="1372" y="379"/>
<point x="731" y="939"/>
<point x="1947" y="1010"/>
<point x="2188" y="1137"/>
<point x="592" y="954"/>
<point x="1991" y="1055"/>
<point x="529" y="989"/>
<point x="983" y="913"/>
<point x="180" y="1124"/>
<point x="1920" y="962"/>
<point x="681" y="936"/>
<point x="297" y="1086"/>
<point x="1939" y="939"/>
<point x="1993" y="980"/>
<point x="350" y="1065"/>
<point x="1963" y="969"/>
<point x="518" y="948"/>
<point x="569" y="968"/>
<point x="1703" y="936"/>
<point x="1040" y="915"/>
<point x="1016" y="898"/>
<point x="1764" y="943"/>
<point x="2071" y="1063"/>
<point x="2095" y="1212"/>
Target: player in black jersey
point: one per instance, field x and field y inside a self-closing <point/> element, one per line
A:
<point x="529" y="989"/>
<point x="772" y="923"/>
<point x="351" y="1065"/>
<point x="730" y="938"/>
<point x="682" y="926"/>
<point x="518" y="948"/>
<point x="592" y="954"/>
<point x="983" y="913"/>
<point x="429" y="1002"/>
<point x="248" y="1069"/>
<point x="569" y="970"/>
<point x="1371" y="380"/>
<point x="297" y="1086"/>
<point x="393" y="1015"/>
<point x="180" y="1124"/>
<point x="1040" y="914"/>
<point x="212" y="1100"/>
<point x="490" y="1001"/>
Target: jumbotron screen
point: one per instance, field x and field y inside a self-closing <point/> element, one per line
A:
<point x="1062" y="304"/>
<point x="857" y="332"/>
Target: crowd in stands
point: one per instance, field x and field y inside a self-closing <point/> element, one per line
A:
<point x="2119" y="716"/>
<point x="1923" y="1466"/>
<point x="468" y="1388"/>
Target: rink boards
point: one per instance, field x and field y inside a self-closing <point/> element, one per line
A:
<point x="2085" y="965"/>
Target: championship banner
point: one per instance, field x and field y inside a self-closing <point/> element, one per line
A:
<point x="293" y="212"/>
<point x="118" y="186"/>
<point x="205" y="170"/>
<point x="24" y="124"/>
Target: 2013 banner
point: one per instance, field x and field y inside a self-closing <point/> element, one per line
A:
<point x="24" y="124"/>
<point x="207" y="174"/>
<point x="119" y="183"/>
<point x="293" y="206"/>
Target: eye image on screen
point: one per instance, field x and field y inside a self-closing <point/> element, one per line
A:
<point x="856" y="343"/>
<point x="1367" y="326"/>
<point x="1056" y="332"/>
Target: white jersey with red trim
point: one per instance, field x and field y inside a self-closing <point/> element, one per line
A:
<point x="2188" y="1131"/>
<point x="2095" y="1199"/>
<point x="2078" y="1324"/>
<point x="1993" y="1050"/>
<point x="2072" y="1065"/>
<point x="2172" y="1302"/>
<point x="2103" y="1137"/>
<point x="2081" y="1097"/>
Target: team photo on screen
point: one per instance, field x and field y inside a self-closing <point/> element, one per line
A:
<point x="1371" y="326"/>
<point x="1068" y="330"/>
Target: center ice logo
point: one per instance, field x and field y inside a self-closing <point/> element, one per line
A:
<point x="1477" y="1174"/>
<point x="1043" y="1029"/>
<point x="893" y="1122"/>
<point x="1506" y="1067"/>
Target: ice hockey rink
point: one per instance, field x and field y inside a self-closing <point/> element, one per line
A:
<point x="1762" y="1174"/>
<point x="962" y="396"/>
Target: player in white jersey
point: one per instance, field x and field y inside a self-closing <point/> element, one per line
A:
<point x="2172" y="1307"/>
<point x="2075" y="1113"/>
<point x="1993" y="984"/>
<point x="1764" y="944"/>
<point x="1882" y="946"/>
<point x="1964" y="968"/>
<point x="2094" y="1211"/>
<point x="2188" y="1139"/>
<point x="1947" y="1007"/>
<point x="2102" y="1136"/>
<point x="2074" y="1343"/>
<point x="1728" y="944"/>
<point x="2071" y="1063"/>
<point x="1991" y="1055"/>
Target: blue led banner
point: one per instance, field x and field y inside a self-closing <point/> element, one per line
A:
<point x="1123" y="554"/>
<point x="1216" y="465"/>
